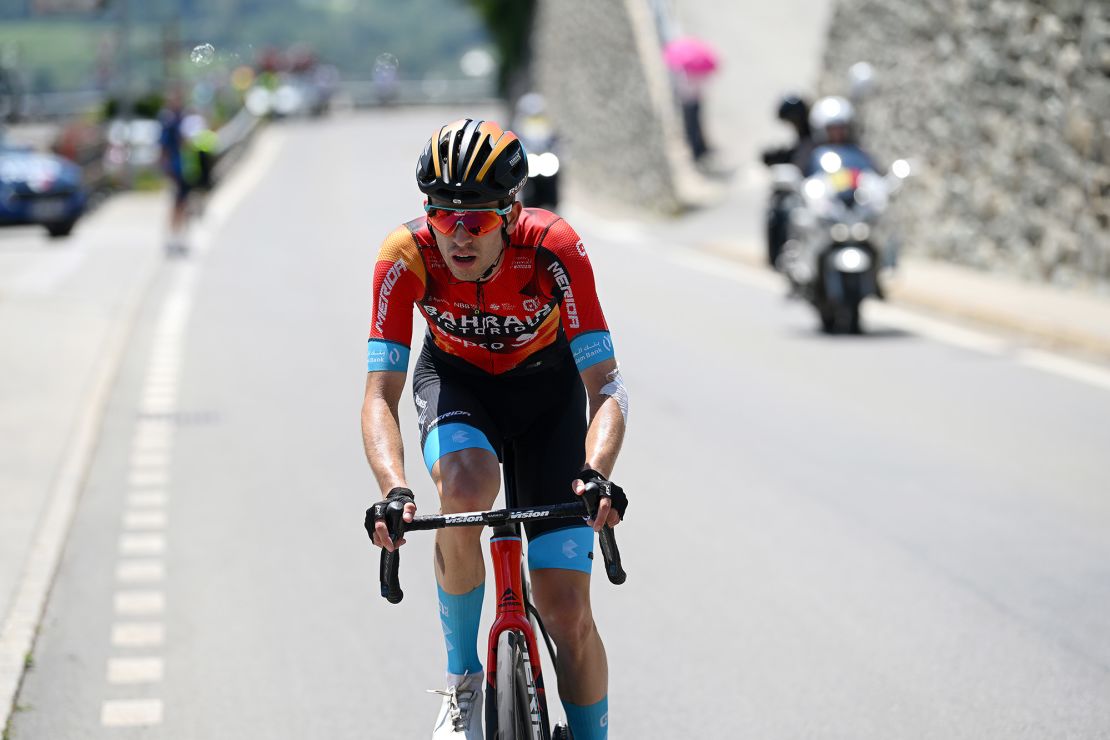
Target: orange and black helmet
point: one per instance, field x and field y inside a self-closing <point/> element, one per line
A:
<point x="470" y="161"/>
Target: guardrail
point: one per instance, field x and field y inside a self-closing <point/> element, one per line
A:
<point x="368" y="93"/>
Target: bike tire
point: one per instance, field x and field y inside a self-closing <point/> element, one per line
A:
<point x="518" y="715"/>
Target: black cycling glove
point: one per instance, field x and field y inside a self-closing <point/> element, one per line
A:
<point x="377" y="511"/>
<point x="606" y="488"/>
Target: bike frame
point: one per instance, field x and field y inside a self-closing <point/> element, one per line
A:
<point x="506" y="551"/>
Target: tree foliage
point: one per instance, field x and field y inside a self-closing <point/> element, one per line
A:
<point x="509" y="23"/>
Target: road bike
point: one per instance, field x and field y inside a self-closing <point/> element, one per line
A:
<point x="516" y="703"/>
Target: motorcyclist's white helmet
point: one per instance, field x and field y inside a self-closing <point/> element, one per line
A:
<point x="827" y="112"/>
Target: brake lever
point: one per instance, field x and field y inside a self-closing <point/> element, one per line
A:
<point x="607" y="538"/>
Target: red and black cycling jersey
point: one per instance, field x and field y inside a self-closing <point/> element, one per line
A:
<point x="540" y="304"/>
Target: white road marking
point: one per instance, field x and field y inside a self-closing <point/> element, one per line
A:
<point x="144" y="520"/>
<point x="140" y="603"/>
<point x="148" y="499"/>
<point x="138" y="634"/>
<point x="150" y="459"/>
<point x="941" y="331"/>
<point x="142" y="544"/>
<point x="140" y="571"/>
<point x="29" y="596"/>
<point x="159" y="406"/>
<point x="131" y="713"/>
<point x="152" y="443"/>
<point x="160" y="398"/>
<point x="160" y="387"/>
<point x="17" y="633"/>
<point x="142" y="479"/>
<point x="135" y="670"/>
<point x="163" y="376"/>
<point x="1081" y="371"/>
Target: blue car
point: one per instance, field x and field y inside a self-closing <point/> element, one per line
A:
<point x="39" y="188"/>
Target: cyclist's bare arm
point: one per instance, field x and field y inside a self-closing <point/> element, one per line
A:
<point x="381" y="438"/>
<point x="605" y="434"/>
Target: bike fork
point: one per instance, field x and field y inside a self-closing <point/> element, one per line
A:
<point x="506" y="550"/>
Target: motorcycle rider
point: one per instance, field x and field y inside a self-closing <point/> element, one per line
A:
<point x="537" y="133"/>
<point x="832" y="123"/>
<point x="793" y="110"/>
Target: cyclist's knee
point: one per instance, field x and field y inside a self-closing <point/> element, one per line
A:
<point x="570" y="624"/>
<point x="467" y="480"/>
<point x="563" y="600"/>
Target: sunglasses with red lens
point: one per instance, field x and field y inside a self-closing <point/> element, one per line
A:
<point x="475" y="221"/>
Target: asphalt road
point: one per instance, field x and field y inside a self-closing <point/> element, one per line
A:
<point x="854" y="537"/>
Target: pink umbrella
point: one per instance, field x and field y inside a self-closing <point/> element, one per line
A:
<point x="690" y="55"/>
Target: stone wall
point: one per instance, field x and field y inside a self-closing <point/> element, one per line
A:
<point x="600" y="67"/>
<point x="1004" y="106"/>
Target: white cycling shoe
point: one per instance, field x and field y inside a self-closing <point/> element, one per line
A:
<point x="460" y="715"/>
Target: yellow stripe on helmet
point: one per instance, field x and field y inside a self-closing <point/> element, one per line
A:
<point x="482" y="136"/>
<point x="506" y="138"/>
<point x="435" y="149"/>
<point x="454" y="129"/>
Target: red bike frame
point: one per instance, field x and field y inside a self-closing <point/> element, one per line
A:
<point x="505" y="550"/>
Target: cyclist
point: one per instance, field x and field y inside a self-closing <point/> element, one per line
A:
<point x="516" y="350"/>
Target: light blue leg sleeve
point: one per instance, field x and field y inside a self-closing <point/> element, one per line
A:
<point x="588" y="723"/>
<point x="459" y="617"/>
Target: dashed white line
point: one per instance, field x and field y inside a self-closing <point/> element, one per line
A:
<point x="150" y="459"/>
<point x="138" y="634"/>
<point x="135" y="670"/>
<point x="149" y="477"/>
<point x="142" y="544"/>
<point x="140" y="571"/>
<point x="131" y="713"/>
<point x="141" y="499"/>
<point x="153" y="442"/>
<point x="139" y="479"/>
<point x="160" y="398"/>
<point x="140" y="603"/>
<point x="144" y="520"/>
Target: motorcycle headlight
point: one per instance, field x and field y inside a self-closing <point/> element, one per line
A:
<point x="548" y="164"/>
<point x="851" y="259"/>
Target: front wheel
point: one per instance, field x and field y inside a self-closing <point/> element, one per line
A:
<point x="59" y="229"/>
<point x="518" y="707"/>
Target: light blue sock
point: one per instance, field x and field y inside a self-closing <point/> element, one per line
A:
<point x="459" y="616"/>
<point x="588" y="723"/>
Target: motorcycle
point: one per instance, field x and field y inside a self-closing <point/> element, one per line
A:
<point x="836" y="245"/>
<point x="542" y="188"/>
<point x="541" y="141"/>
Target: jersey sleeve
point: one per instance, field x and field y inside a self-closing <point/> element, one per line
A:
<point x="399" y="279"/>
<point x="583" y="320"/>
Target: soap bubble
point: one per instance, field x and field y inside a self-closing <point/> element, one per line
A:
<point x="386" y="65"/>
<point x="203" y="54"/>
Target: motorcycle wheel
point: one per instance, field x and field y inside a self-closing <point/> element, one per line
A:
<point x="840" y="319"/>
